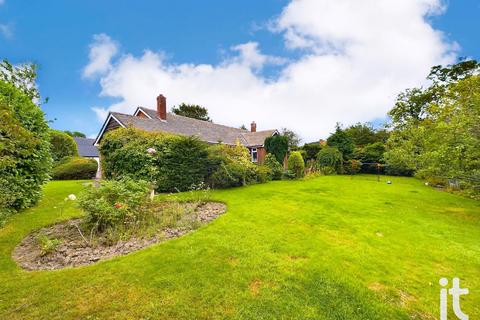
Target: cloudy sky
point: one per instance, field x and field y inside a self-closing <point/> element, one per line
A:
<point x="301" y="64"/>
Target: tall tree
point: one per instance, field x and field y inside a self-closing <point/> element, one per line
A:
<point x="342" y="141"/>
<point x="192" y="111"/>
<point x="292" y="137"/>
<point x="21" y="76"/>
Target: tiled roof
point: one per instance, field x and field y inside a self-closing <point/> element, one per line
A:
<point x="204" y="130"/>
<point x="85" y="147"/>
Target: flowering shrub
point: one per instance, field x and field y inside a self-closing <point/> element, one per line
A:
<point x="115" y="203"/>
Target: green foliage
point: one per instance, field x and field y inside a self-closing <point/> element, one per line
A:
<point x="62" y="145"/>
<point x="75" y="168"/>
<point x="177" y="164"/>
<point x="47" y="245"/>
<point x="25" y="159"/>
<point x="352" y="166"/>
<point x="115" y="204"/>
<point x="342" y="141"/>
<point x="330" y="159"/>
<point x="278" y="146"/>
<point x="192" y="111"/>
<point x="444" y="141"/>
<point x="361" y="134"/>
<point x="263" y="173"/>
<point x="230" y="166"/>
<point x="75" y="134"/>
<point x="311" y="150"/>
<point x="372" y="152"/>
<point x="296" y="165"/>
<point x="276" y="169"/>
<point x="22" y="77"/>
<point x="292" y="137"/>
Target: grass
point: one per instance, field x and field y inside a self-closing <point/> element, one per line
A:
<point x="332" y="247"/>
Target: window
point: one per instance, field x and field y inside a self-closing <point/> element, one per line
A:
<point x="254" y="154"/>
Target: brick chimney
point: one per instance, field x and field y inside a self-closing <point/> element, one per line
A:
<point x="253" y="127"/>
<point x="162" y="107"/>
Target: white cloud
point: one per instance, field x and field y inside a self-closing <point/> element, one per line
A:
<point x="102" y="50"/>
<point x="356" y="56"/>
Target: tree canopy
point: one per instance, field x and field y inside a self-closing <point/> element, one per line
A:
<point x="192" y="111"/>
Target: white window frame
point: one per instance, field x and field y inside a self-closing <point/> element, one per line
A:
<point x="252" y="151"/>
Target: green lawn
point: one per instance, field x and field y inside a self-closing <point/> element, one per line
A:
<point x="326" y="248"/>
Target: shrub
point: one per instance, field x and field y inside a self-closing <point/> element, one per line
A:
<point x="352" y="166"/>
<point x="328" y="159"/>
<point x="25" y="159"/>
<point x="278" y="146"/>
<point x="230" y="166"/>
<point x="311" y="150"/>
<point x="276" y="169"/>
<point x="296" y="165"/>
<point x="63" y="145"/>
<point x="264" y="174"/>
<point x="176" y="163"/>
<point x="115" y="204"/>
<point x="76" y="168"/>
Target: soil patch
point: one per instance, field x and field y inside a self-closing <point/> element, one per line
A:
<point x="73" y="250"/>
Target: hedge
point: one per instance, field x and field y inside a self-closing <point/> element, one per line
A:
<point x="75" y="168"/>
<point x="63" y="145"/>
<point x="25" y="159"/>
<point x="174" y="163"/>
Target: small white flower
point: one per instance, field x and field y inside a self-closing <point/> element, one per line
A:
<point x="151" y="150"/>
<point x="72" y="197"/>
<point x="426" y="183"/>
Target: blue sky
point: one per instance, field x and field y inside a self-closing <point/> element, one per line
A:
<point x="58" y="35"/>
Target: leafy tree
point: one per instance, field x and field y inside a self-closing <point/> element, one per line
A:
<point x="361" y="134"/>
<point x="62" y="145"/>
<point x="330" y="158"/>
<point x="23" y="77"/>
<point x="276" y="169"/>
<point x="192" y="111"/>
<point x="444" y="142"/>
<point x="296" y="165"/>
<point x="311" y="150"/>
<point x="372" y="153"/>
<point x="25" y="159"/>
<point x="278" y="146"/>
<point x="75" y="134"/>
<point x="342" y="141"/>
<point x="292" y="137"/>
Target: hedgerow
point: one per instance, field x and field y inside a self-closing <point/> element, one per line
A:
<point x="25" y="159"/>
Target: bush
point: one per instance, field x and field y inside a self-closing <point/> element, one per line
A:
<point x="296" y="165"/>
<point x="75" y="169"/>
<point x="176" y="163"/>
<point x="328" y="159"/>
<point x="115" y="204"/>
<point x="230" y="166"/>
<point x="63" y="145"/>
<point x="278" y="146"/>
<point x="25" y="159"/>
<point x="352" y="166"/>
<point x="276" y="169"/>
<point x="311" y="150"/>
<point x="264" y="174"/>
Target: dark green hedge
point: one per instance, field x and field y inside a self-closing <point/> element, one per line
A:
<point x="177" y="164"/>
<point x="25" y="159"/>
<point x="75" y="168"/>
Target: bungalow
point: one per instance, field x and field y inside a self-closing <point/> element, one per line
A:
<point x="160" y="121"/>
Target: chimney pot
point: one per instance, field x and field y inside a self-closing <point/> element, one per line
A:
<point x="253" y="127"/>
<point x="162" y="107"/>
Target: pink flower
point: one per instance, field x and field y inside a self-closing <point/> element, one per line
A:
<point x="118" y="205"/>
<point x="151" y="150"/>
